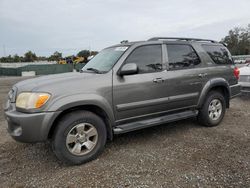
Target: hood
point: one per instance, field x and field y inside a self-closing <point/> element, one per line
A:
<point x="39" y="82"/>
<point x="66" y="83"/>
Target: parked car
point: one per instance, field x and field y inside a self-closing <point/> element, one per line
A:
<point x="239" y="61"/>
<point x="247" y="61"/>
<point x="244" y="80"/>
<point x="125" y="87"/>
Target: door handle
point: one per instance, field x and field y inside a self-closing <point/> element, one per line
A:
<point x="158" y="80"/>
<point x="202" y="75"/>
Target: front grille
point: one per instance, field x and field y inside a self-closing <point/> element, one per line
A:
<point x="244" y="78"/>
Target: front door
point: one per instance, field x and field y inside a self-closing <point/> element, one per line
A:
<point x="141" y="94"/>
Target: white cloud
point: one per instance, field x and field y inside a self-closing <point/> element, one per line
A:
<point x="44" y="26"/>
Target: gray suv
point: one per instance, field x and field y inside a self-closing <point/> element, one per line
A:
<point x="125" y="87"/>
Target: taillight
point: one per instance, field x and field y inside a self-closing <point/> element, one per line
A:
<point x="237" y="73"/>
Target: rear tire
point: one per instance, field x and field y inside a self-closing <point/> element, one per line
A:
<point x="79" y="137"/>
<point x="212" y="110"/>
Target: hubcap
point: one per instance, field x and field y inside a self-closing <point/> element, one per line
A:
<point x="215" y="109"/>
<point x="81" y="139"/>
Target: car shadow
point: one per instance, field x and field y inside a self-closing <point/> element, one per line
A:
<point x="245" y="96"/>
<point x="42" y="156"/>
<point x="166" y="129"/>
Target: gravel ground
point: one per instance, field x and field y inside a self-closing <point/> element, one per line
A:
<point x="181" y="154"/>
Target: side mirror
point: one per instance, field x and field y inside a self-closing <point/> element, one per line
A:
<point x="128" y="69"/>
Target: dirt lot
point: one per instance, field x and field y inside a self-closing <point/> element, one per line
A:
<point x="181" y="154"/>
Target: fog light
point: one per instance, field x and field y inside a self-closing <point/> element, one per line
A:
<point x="17" y="131"/>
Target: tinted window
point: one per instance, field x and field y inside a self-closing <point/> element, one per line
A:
<point x="219" y="54"/>
<point x="148" y="58"/>
<point x="181" y="56"/>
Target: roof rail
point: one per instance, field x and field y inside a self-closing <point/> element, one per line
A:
<point x="180" y="38"/>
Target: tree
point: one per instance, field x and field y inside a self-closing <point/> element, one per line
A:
<point x="6" y="59"/>
<point x="84" y="53"/>
<point x="30" y="56"/>
<point x="238" y="41"/>
<point x="55" y="57"/>
<point x="42" y="58"/>
<point x="93" y="53"/>
<point x="16" y="58"/>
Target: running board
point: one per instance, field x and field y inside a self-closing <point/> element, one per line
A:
<point x="153" y="122"/>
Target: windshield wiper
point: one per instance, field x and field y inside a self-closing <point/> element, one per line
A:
<point x="94" y="70"/>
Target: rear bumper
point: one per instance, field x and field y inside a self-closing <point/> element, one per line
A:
<point x="235" y="90"/>
<point x="245" y="87"/>
<point x="30" y="128"/>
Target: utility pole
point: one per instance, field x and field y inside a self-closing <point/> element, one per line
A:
<point x="89" y="49"/>
<point x="4" y="51"/>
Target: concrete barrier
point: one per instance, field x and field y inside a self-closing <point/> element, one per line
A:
<point x="22" y="64"/>
<point x="28" y="73"/>
<point x="38" y="69"/>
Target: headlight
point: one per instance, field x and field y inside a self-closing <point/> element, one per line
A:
<point x="28" y="100"/>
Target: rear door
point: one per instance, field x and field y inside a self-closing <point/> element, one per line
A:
<point x="185" y="76"/>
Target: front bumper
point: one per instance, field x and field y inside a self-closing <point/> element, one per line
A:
<point x="25" y="127"/>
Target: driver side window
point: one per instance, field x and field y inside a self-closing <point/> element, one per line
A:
<point x="148" y="58"/>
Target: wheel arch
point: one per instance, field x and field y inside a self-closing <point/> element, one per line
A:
<point x="96" y="109"/>
<point x="217" y="84"/>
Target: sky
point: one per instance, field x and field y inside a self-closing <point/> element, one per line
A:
<point x="68" y="26"/>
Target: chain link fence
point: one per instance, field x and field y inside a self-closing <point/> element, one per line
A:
<point x="41" y="69"/>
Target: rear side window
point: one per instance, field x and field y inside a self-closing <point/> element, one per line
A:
<point x="148" y="58"/>
<point x="219" y="54"/>
<point x="181" y="56"/>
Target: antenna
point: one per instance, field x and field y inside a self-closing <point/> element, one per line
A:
<point x="4" y="51"/>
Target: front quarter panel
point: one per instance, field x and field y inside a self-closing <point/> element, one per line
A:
<point x="75" y="100"/>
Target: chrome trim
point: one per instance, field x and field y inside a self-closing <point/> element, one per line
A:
<point x="141" y="104"/>
<point x="152" y="114"/>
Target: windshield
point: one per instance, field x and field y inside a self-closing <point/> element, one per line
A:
<point x="105" y="59"/>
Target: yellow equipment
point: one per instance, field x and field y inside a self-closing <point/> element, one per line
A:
<point x="79" y="60"/>
<point x="62" y="61"/>
<point x="75" y="61"/>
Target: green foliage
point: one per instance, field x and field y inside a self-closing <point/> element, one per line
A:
<point x="6" y="59"/>
<point x="84" y="53"/>
<point x="238" y="41"/>
<point x="16" y="58"/>
<point x="55" y="57"/>
<point x="42" y="58"/>
<point x="93" y="52"/>
<point x="30" y="56"/>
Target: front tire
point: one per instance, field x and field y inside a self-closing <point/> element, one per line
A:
<point x="79" y="137"/>
<point x="213" y="109"/>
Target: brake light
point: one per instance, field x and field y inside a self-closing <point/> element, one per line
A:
<point x="237" y="73"/>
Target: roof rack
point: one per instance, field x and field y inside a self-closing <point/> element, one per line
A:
<point x="185" y="39"/>
<point x="124" y="41"/>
